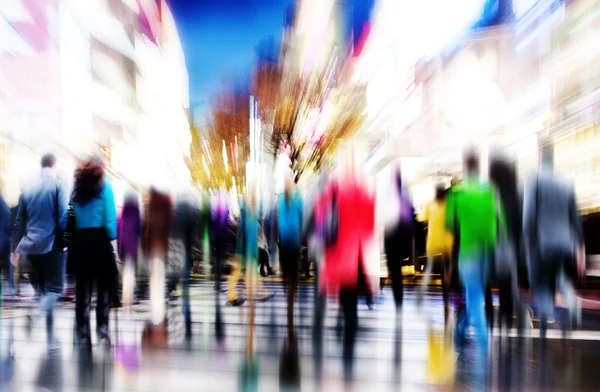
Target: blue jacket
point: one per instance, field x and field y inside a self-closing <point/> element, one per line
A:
<point x="289" y="219"/>
<point x="98" y="212"/>
<point x="41" y="215"/>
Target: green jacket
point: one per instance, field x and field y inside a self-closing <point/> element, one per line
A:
<point x="472" y="211"/>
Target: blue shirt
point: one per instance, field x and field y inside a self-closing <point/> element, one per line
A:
<point x="289" y="219"/>
<point x="98" y="212"/>
<point x="40" y="216"/>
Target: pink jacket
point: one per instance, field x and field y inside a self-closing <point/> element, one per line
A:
<point x="356" y="206"/>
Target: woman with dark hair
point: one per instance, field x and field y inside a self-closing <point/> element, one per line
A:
<point x="91" y="248"/>
<point x="503" y="177"/>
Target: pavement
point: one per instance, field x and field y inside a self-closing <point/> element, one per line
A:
<point x="387" y="358"/>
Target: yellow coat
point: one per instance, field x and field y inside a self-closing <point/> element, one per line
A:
<point x="439" y="240"/>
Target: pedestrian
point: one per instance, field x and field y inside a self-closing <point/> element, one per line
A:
<point x="472" y="207"/>
<point x="289" y="229"/>
<point x="91" y="249"/>
<point x="399" y="234"/>
<point x="220" y="237"/>
<point x="345" y="213"/>
<point x="37" y="236"/>
<point x="554" y="241"/>
<point x="6" y="228"/>
<point x="439" y="243"/>
<point x="129" y="230"/>
<point x="504" y="179"/>
<point x="155" y="245"/>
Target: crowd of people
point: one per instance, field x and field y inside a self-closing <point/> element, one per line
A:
<point x="493" y="233"/>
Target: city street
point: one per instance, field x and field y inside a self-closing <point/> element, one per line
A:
<point x="382" y="365"/>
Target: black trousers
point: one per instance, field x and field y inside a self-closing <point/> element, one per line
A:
<point x="349" y="305"/>
<point x="398" y="247"/>
<point x="94" y="266"/>
<point x="289" y="257"/>
<point x="83" y="291"/>
<point x="505" y="291"/>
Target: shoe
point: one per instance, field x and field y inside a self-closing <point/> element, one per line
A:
<point x="103" y="338"/>
<point x="270" y="272"/>
<point x="307" y="276"/>
<point x="263" y="273"/>
<point x="236" y="302"/>
<point x="266" y="297"/>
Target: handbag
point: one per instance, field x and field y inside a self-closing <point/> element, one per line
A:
<point x="63" y="237"/>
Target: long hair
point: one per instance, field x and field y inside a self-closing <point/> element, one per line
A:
<point x="89" y="181"/>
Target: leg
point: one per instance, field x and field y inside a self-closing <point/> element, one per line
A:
<point x="128" y="283"/>
<point x="219" y="261"/>
<point x="395" y="273"/>
<point x="157" y="290"/>
<point x="472" y="278"/>
<point x="83" y="299"/>
<point x="103" y="301"/>
<point x="232" y="295"/>
<point x="425" y="282"/>
<point x="349" y="304"/>
<point x="506" y="301"/>
<point x="54" y="277"/>
<point x="318" y="321"/>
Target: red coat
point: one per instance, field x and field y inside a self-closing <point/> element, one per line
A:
<point x="356" y="235"/>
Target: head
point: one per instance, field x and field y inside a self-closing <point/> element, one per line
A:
<point x="48" y="161"/>
<point x="471" y="162"/>
<point x="440" y="192"/>
<point x="89" y="181"/>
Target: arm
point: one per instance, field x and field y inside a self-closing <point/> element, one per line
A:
<point x="20" y="223"/>
<point x="529" y="211"/>
<point x="110" y="212"/>
<point x="7" y="221"/>
<point x="450" y="220"/>
<point x="62" y="201"/>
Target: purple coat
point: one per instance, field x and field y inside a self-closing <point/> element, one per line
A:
<point x="129" y="230"/>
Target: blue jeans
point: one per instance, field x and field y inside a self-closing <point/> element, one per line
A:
<point x="50" y="271"/>
<point x="473" y="273"/>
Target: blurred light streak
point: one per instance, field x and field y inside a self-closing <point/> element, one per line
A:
<point x="205" y="166"/>
<point x="225" y="160"/>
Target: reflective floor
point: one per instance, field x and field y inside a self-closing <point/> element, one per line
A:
<point x="386" y="359"/>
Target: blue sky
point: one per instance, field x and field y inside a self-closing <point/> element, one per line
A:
<point x="219" y="37"/>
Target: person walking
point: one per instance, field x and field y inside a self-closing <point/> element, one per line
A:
<point x="289" y="230"/>
<point x="472" y="207"/>
<point x="91" y="249"/>
<point x="220" y="237"/>
<point x="554" y="240"/>
<point x="345" y="213"/>
<point x="155" y="245"/>
<point x="504" y="179"/>
<point x="399" y="234"/>
<point x="439" y="243"/>
<point x="6" y="228"/>
<point x="37" y="234"/>
<point x="129" y="230"/>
